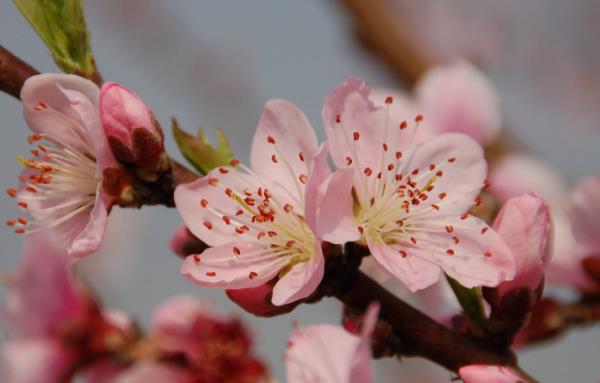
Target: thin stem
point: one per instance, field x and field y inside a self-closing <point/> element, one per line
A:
<point x="13" y="72"/>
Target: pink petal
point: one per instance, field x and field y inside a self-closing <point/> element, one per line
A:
<point x="525" y="225"/>
<point x="222" y="267"/>
<point x="89" y="227"/>
<point x="480" y="258"/>
<point x="301" y="281"/>
<point x="488" y="374"/>
<point x="177" y="315"/>
<point x="335" y="222"/>
<point x="257" y="300"/>
<point x="455" y="166"/>
<point x="318" y="173"/>
<point x="459" y="98"/>
<point x="414" y="270"/>
<point x="586" y="212"/>
<point x="321" y="353"/>
<point x="362" y="369"/>
<point x="203" y="203"/>
<point x="35" y="360"/>
<point x="283" y="144"/>
<point x="102" y="371"/>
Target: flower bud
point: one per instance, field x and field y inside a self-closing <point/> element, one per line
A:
<point x="184" y="243"/>
<point x="131" y="129"/>
<point x="257" y="300"/>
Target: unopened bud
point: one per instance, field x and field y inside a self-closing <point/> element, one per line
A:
<point x="257" y="300"/>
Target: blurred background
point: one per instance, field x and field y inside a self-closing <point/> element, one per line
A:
<point x="216" y="63"/>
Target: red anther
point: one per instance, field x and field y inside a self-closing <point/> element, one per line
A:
<point x="403" y="125"/>
<point x="203" y="202"/>
<point x="487" y="254"/>
<point x="403" y="253"/>
<point x="413" y="240"/>
<point x="226" y="219"/>
<point x="442" y="195"/>
<point x="302" y="178"/>
<point x="389" y="100"/>
<point x="229" y="192"/>
<point x="22" y="204"/>
<point x="450" y="252"/>
<point x="400" y="222"/>
<point x="248" y="192"/>
<point x="223" y="170"/>
<point x="419" y="118"/>
<point x="449" y="229"/>
<point x="208" y="225"/>
<point x="35" y="152"/>
<point x="252" y="275"/>
<point x="11" y="192"/>
<point x="270" y="140"/>
<point x="398" y="155"/>
<point x="234" y="162"/>
<point x="348" y="161"/>
<point x="288" y="208"/>
<point x="249" y="201"/>
<point x="431" y="166"/>
<point x="429" y="188"/>
<point x="399" y="178"/>
<point x="301" y="156"/>
<point x="455" y="239"/>
<point x="11" y="222"/>
<point x="368" y="171"/>
<point x="356" y="136"/>
<point x="484" y="230"/>
<point x="451" y="159"/>
<point x="338" y="119"/>
<point x="236" y="250"/>
<point x="272" y="233"/>
<point x="390" y="167"/>
<point x="22" y="220"/>
<point x="274" y="158"/>
<point x="239" y="230"/>
<point x="20" y="231"/>
<point x="31" y="189"/>
<point x="42" y="104"/>
<point x="435" y="206"/>
<point x="464" y="216"/>
<point x="213" y="181"/>
<point x="486" y="184"/>
<point x="196" y="258"/>
<point x="290" y="243"/>
<point x="415" y="172"/>
<point x="361" y="229"/>
<point x="439" y="173"/>
<point x="477" y="201"/>
<point x="261" y="235"/>
<point x="239" y="212"/>
<point x="211" y="274"/>
<point x="385" y="147"/>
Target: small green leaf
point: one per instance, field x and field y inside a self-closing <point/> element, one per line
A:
<point x="198" y="150"/>
<point x="470" y="300"/>
<point x="61" y="25"/>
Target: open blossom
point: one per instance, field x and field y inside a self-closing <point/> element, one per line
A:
<point x="257" y="220"/>
<point x="328" y="353"/>
<point x="61" y="187"/>
<point x="409" y="202"/>
<point x="525" y="225"/>
<point x="455" y="97"/>
<point x="489" y="374"/>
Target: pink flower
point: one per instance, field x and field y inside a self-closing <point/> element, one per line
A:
<point x="488" y="374"/>
<point x="132" y="131"/>
<point x="409" y="202"/>
<point x="525" y="225"/>
<point x="62" y="187"/>
<point x="577" y="244"/>
<point x="455" y="98"/>
<point x="328" y="353"/>
<point x="258" y="221"/>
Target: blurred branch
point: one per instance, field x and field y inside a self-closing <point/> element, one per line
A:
<point x="388" y="38"/>
<point x="13" y="72"/>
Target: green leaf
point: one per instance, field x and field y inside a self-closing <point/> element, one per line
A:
<point x="198" y="150"/>
<point x="470" y="300"/>
<point x="61" y="25"/>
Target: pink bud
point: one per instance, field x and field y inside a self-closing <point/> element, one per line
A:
<point x="525" y="225"/>
<point x="131" y="129"/>
<point x="184" y="243"/>
<point x="257" y="300"/>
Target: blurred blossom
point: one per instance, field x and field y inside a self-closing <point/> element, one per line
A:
<point x="155" y="372"/>
<point x="456" y="97"/>
<point x="409" y="202"/>
<point x="64" y="186"/>
<point x="327" y="353"/>
<point x="488" y="374"/>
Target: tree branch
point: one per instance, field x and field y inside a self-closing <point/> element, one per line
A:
<point x="13" y="72"/>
